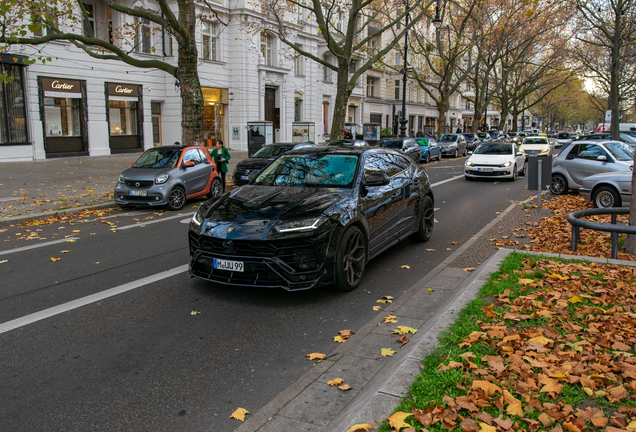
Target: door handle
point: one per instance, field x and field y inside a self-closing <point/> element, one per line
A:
<point x="397" y="194"/>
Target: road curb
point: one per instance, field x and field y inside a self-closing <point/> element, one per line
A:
<point x="45" y="215"/>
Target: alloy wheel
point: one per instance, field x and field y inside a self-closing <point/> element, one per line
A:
<point x="354" y="259"/>
<point x="177" y="199"/>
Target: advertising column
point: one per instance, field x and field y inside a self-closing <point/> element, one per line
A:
<point x="124" y="118"/>
<point x="63" y="108"/>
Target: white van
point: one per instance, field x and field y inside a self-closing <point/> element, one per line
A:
<point x="627" y="127"/>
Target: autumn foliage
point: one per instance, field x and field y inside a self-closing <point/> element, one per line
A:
<point x="555" y="353"/>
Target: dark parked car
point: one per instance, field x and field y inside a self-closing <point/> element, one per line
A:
<point x="168" y="175"/>
<point x="249" y="167"/>
<point x="315" y="216"/>
<point x="408" y="146"/>
<point x="471" y="141"/>
<point x="453" y="145"/>
<point x="348" y="143"/>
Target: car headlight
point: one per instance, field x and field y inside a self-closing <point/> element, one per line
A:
<point x="121" y="178"/>
<point x="162" y="178"/>
<point x="545" y="150"/>
<point x="506" y="164"/>
<point x="301" y="225"/>
<point x="469" y="163"/>
<point x="196" y="219"/>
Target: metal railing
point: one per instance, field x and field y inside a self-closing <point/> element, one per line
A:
<point x="577" y="223"/>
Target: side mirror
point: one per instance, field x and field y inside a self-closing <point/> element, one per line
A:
<point x="188" y="164"/>
<point x="602" y="158"/>
<point x="470" y="152"/>
<point x="376" y="179"/>
<point x="519" y="153"/>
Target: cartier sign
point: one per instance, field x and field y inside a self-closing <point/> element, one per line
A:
<point x="60" y="85"/>
<point x="116" y="89"/>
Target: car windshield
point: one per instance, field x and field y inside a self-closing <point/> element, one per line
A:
<point x="535" y="141"/>
<point x="493" y="133"/>
<point x="563" y="135"/>
<point x="482" y="135"/>
<point x="627" y="138"/>
<point x="159" y="158"/>
<point x="423" y="142"/>
<point x="494" y="149"/>
<point x="392" y="144"/>
<point x="270" y="151"/>
<point x="310" y="170"/>
<point x="447" y="138"/>
<point x="620" y="151"/>
<point x="512" y="134"/>
<point x="469" y="136"/>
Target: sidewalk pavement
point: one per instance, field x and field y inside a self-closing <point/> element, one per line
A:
<point x="38" y="189"/>
<point x="431" y="305"/>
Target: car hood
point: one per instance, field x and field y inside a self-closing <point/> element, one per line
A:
<point x="145" y="173"/>
<point x="252" y="211"/>
<point x="253" y="163"/>
<point x="534" y="146"/>
<point x="446" y="144"/>
<point x="479" y="159"/>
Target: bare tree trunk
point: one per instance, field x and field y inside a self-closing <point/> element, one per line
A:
<point x="189" y="85"/>
<point x="515" y="114"/>
<point x="614" y="71"/>
<point x="342" y="102"/>
<point x="502" y="119"/>
<point x="442" y="108"/>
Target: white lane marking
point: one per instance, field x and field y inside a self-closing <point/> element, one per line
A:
<point x="137" y="225"/>
<point x="185" y="221"/>
<point x="447" y="180"/>
<point x="65" y="307"/>
<point x="9" y="199"/>
<point x="35" y="246"/>
<point x="444" y="167"/>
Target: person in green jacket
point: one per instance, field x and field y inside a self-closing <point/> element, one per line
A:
<point x="221" y="156"/>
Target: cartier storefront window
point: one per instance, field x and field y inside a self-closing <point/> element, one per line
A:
<point x="63" y="107"/>
<point x="124" y="117"/>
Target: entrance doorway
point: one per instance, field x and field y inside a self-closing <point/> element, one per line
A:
<point x="271" y="112"/>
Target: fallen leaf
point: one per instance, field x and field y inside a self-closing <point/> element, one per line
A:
<point x="488" y="387"/>
<point x="430" y="290"/>
<point x="390" y="319"/>
<point x="335" y="382"/>
<point x="361" y="428"/>
<point x="402" y="330"/>
<point x="469" y="269"/>
<point x="526" y="281"/>
<point x="344" y="387"/>
<point x="397" y="420"/>
<point x="403" y="340"/>
<point x="406" y="267"/>
<point x="514" y="405"/>
<point x="377" y="308"/>
<point x="483" y="427"/>
<point x="387" y="352"/>
<point x="239" y="414"/>
<point x="339" y="339"/>
<point x="64" y="251"/>
<point x="195" y="313"/>
<point x="55" y="259"/>
<point x="4" y="261"/>
<point x="455" y="243"/>
<point x="316" y="356"/>
<point x="429" y="250"/>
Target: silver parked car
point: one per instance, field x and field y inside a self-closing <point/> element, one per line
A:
<point x="168" y="175"/>
<point x="585" y="158"/>
<point x="536" y="146"/>
<point x="453" y="145"/>
<point x="605" y="190"/>
<point x="408" y="146"/>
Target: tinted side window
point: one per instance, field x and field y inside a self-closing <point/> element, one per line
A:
<point x="202" y="156"/>
<point x="390" y="164"/>
<point x="573" y="152"/>
<point x="591" y="152"/>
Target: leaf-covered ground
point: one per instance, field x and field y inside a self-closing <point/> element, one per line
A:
<point x="554" y="233"/>
<point x="549" y="346"/>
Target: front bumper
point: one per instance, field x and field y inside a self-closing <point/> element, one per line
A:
<point x="155" y="195"/>
<point x="485" y="172"/>
<point x="292" y="264"/>
<point x="449" y="151"/>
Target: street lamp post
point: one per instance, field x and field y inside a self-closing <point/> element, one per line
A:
<point x="404" y="76"/>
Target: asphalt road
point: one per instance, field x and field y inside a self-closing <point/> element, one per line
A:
<point x="139" y="360"/>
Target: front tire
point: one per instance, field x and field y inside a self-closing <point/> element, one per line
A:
<point x="351" y="259"/>
<point x="606" y="197"/>
<point x="216" y="189"/>
<point x="514" y="173"/>
<point x="456" y="153"/>
<point x="176" y="199"/>
<point x="523" y="171"/>
<point x="426" y="221"/>
<point x="559" y="185"/>
<point x="427" y="159"/>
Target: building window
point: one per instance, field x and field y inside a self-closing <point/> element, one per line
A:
<point x="88" y="22"/>
<point x="299" y="63"/>
<point x="298" y="107"/>
<point x="123" y="117"/>
<point x="371" y="86"/>
<point x="375" y="118"/>
<point x="142" y="44"/>
<point x="326" y="71"/>
<point x="13" y="128"/>
<point x="267" y="43"/>
<point x="398" y="58"/>
<point x="209" y="32"/>
<point x="397" y="89"/>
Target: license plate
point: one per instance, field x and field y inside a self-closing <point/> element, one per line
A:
<point x="221" y="264"/>
<point x="137" y="193"/>
<point x="484" y="169"/>
<point x="245" y="177"/>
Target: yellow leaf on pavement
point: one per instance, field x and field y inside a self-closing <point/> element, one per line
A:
<point x="430" y="290"/>
<point x="345" y="387"/>
<point x="388" y="352"/>
<point x="402" y="330"/>
<point x="339" y="339"/>
<point x="195" y="313"/>
<point x="385" y="301"/>
<point x="336" y="381"/>
<point x="390" y="319"/>
<point x="406" y="267"/>
<point x="377" y="308"/>
<point x="361" y="428"/>
<point x="316" y="356"/>
<point x="55" y="259"/>
<point x="397" y="420"/>
<point x="239" y="414"/>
